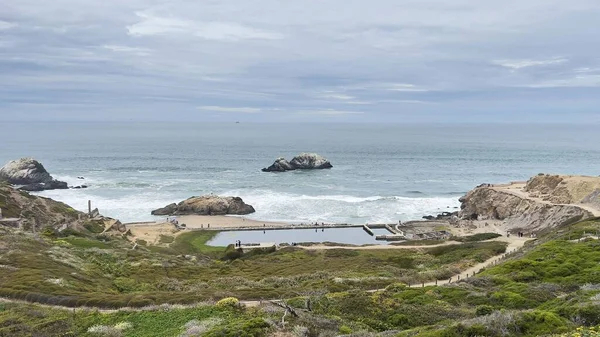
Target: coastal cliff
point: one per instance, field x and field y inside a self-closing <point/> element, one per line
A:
<point x="545" y="201"/>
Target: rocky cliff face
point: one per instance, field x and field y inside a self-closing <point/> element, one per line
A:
<point x="565" y="189"/>
<point x="35" y="212"/>
<point x="30" y="173"/>
<point x="303" y="161"/>
<point x="485" y="203"/>
<point x="207" y="205"/>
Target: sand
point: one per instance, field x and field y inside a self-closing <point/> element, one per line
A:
<point x="151" y="231"/>
<point x="578" y="185"/>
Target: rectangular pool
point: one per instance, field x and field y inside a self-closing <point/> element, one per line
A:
<point x="350" y="236"/>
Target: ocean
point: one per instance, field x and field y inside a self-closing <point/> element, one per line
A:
<point x="381" y="173"/>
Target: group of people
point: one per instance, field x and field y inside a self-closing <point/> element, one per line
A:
<point x="238" y="244"/>
<point x="521" y="235"/>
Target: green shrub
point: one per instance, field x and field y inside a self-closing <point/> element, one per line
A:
<point x="255" y="327"/>
<point x="95" y="227"/>
<point x="537" y="323"/>
<point x="477" y="237"/>
<point x="229" y="302"/>
<point x="483" y="310"/>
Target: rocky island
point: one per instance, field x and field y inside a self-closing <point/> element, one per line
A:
<point x="207" y="205"/>
<point x="31" y="174"/>
<point x="303" y="161"/>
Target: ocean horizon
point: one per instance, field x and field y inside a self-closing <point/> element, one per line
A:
<point x="381" y="173"/>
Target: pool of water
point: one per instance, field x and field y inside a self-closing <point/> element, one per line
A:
<point x="352" y="236"/>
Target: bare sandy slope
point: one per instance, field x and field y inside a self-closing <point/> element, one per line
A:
<point x="576" y="182"/>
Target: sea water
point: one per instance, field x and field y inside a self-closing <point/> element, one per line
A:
<point x="381" y="173"/>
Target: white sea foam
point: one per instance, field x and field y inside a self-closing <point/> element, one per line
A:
<point x="277" y="206"/>
<point x="137" y="203"/>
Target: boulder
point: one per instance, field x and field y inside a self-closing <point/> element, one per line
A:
<point x="280" y="165"/>
<point x="31" y="174"/>
<point x="303" y="161"/>
<point x="207" y="205"/>
<point x="308" y="161"/>
<point x="24" y="171"/>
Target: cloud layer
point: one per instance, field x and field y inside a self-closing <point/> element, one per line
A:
<point x="281" y="61"/>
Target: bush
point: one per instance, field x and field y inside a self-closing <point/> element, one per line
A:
<point x="483" y="310"/>
<point x="345" y="330"/>
<point x="232" y="253"/>
<point x="229" y="302"/>
<point x="477" y="237"/>
<point x="255" y="327"/>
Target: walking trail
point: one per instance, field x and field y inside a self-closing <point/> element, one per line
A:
<point x="514" y="243"/>
<point x="517" y="189"/>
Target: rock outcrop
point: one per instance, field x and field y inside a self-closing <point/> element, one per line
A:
<point x="303" y="161"/>
<point x="35" y="212"/>
<point x="565" y="189"/>
<point x="31" y="174"/>
<point x="207" y="205"/>
<point x="488" y="203"/>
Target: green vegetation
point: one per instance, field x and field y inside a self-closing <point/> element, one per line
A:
<point x="551" y="287"/>
<point x="27" y="320"/>
<point x="106" y="272"/>
<point x="194" y="242"/>
<point x="477" y="237"/>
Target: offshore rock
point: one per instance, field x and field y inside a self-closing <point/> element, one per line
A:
<point x="207" y="205"/>
<point x="31" y="174"/>
<point x="280" y="165"/>
<point x="25" y="171"/>
<point x="303" y="161"/>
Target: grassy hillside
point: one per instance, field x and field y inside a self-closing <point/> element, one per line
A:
<point x="551" y="287"/>
<point x="105" y="271"/>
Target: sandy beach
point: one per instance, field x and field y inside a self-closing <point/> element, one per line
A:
<point x="212" y="222"/>
<point x="151" y="231"/>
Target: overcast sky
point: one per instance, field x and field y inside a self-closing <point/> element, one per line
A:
<point x="303" y="60"/>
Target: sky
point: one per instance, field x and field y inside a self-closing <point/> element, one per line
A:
<point x="356" y="61"/>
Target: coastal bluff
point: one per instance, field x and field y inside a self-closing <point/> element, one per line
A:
<point x="31" y="174"/>
<point x="303" y="161"/>
<point x="544" y="201"/>
<point x="207" y="205"/>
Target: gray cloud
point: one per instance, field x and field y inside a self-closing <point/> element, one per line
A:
<point x="409" y="60"/>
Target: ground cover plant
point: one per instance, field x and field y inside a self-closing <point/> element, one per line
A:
<point x="551" y="287"/>
<point x="105" y="271"/>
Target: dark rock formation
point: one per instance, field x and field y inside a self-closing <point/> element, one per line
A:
<point x="31" y="174"/>
<point x="303" y="161"/>
<point x="52" y="185"/>
<point x="441" y="216"/>
<point x="280" y="165"/>
<point x="207" y="205"/>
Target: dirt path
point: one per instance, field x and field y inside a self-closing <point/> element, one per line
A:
<point x="376" y="247"/>
<point x="518" y="190"/>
